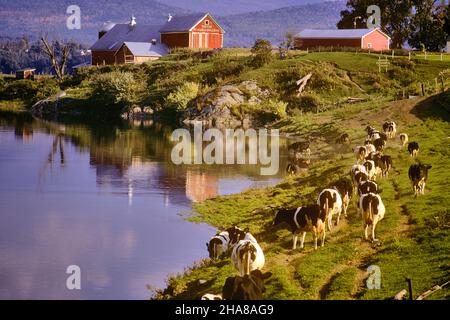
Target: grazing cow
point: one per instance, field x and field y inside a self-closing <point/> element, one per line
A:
<point x="248" y="287"/>
<point x="345" y="189"/>
<point x="372" y="211"/>
<point x="236" y="234"/>
<point x="343" y="139"/>
<point x="330" y="203"/>
<point x="413" y="148"/>
<point x="211" y="296"/>
<point x="386" y="165"/>
<point x="300" y="148"/>
<point x="303" y="219"/>
<point x="390" y="128"/>
<point x="295" y="167"/>
<point x="368" y="186"/>
<point x="219" y="245"/>
<point x="247" y="255"/>
<point x="370" y="169"/>
<point x="360" y="153"/>
<point x="369" y="147"/>
<point x="403" y="139"/>
<point x="379" y="144"/>
<point x="418" y="174"/>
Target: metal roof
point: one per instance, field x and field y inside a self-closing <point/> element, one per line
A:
<point x="120" y="33"/>
<point x="335" y="33"/>
<point x="147" y="49"/>
<point x="184" y="23"/>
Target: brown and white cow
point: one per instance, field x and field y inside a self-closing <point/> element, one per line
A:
<point x="418" y="174"/>
<point x="403" y="139"/>
<point x="413" y="149"/>
<point x="390" y="128"/>
<point x="372" y="210"/>
<point x="301" y="220"/>
<point x="330" y="204"/>
<point x="345" y="189"/>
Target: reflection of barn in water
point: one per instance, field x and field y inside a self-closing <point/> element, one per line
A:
<point x="201" y="186"/>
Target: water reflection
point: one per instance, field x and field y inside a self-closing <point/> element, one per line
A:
<point x="104" y="198"/>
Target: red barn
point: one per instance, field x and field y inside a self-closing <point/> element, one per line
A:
<point x="372" y="39"/>
<point x="193" y="31"/>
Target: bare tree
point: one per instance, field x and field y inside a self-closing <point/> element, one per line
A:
<point x="59" y="65"/>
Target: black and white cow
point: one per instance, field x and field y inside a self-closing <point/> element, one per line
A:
<point x="211" y="296"/>
<point x="413" y="148"/>
<point x="360" y="153"/>
<point x="219" y="245"/>
<point x="298" y="166"/>
<point x="236" y="234"/>
<point x="403" y="139"/>
<point x="300" y="149"/>
<point x="369" y="146"/>
<point x="248" y="287"/>
<point x="418" y="174"/>
<point x="358" y="174"/>
<point x="372" y="210"/>
<point x="330" y="204"/>
<point x="247" y="255"/>
<point x="379" y="144"/>
<point x="345" y="189"/>
<point x="368" y="186"/>
<point x="301" y="220"/>
<point x="386" y="165"/>
<point x="390" y="128"/>
<point x="370" y="169"/>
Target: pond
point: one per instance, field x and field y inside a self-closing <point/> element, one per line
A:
<point x="105" y="198"/>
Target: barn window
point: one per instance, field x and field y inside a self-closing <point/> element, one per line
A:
<point x="206" y="22"/>
<point x="369" y="45"/>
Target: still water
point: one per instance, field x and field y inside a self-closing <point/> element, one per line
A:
<point x="105" y="198"/>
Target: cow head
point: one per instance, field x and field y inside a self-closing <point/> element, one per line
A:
<point x="213" y="248"/>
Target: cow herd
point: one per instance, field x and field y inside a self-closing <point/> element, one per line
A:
<point x="247" y="256"/>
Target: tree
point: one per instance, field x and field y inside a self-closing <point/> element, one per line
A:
<point x="59" y="65"/>
<point x="428" y="26"/>
<point x="395" y="17"/>
<point x="289" y="40"/>
<point x="262" y="52"/>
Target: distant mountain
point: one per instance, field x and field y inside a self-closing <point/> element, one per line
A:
<point x="33" y="18"/>
<point x="243" y="29"/>
<point x="228" y="7"/>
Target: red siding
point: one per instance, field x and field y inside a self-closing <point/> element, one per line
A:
<point x="378" y="41"/>
<point x="103" y="57"/>
<point x="304" y="44"/>
<point x="175" y="40"/>
<point x="206" y="34"/>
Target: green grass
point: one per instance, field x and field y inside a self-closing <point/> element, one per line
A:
<point x="414" y="233"/>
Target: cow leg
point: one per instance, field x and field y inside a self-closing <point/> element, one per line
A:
<point x="373" y="233"/>
<point x="315" y="239"/>
<point x="329" y="221"/>
<point x="323" y="238"/>
<point x="294" y="241"/>
<point x="302" y="240"/>
<point x="365" y="231"/>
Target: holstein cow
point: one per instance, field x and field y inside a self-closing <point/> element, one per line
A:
<point x="379" y="144"/>
<point x="330" y="203"/>
<point x="403" y="139"/>
<point x="211" y="296"/>
<point x="386" y="162"/>
<point x="248" y="287"/>
<point x="368" y="186"/>
<point x="413" y="148"/>
<point x="300" y="148"/>
<point x="369" y="147"/>
<point x="358" y="174"/>
<point x="219" y="245"/>
<point x="390" y="128"/>
<point x="236" y="234"/>
<point x="297" y="166"/>
<point x="303" y="219"/>
<point x="360" y="153"/>
<point x="345" y="189"/>
<point x="372" y="211"/>
<point x="418" y="174"/>
<point x="370" y="169"/>
<point x="247" y="255"/>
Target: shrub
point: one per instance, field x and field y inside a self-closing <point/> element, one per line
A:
<point x="46" y="88"/>
<point x="277" y="107"/>
<point x="308" y="102"/>
<point x="262" y="53"/>
<point x="116" y="89"/>
<point x="20" y="89"/>
<point x="180" y="98"/>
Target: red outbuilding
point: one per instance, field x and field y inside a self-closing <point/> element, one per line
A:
<point x="192" y="31"/>
<point x="371" y="39"/>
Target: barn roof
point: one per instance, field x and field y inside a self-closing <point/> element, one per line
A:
<point x="120" y="33"/>
<point x="185" y="23"/>
<point x="336" y="33"/>
<point x="147" y="49"/>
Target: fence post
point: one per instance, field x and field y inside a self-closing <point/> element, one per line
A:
<point x="423" y="89"/>
<point x="410" y="288"/>
<point x="409" y="55"/>
<point x="392" y="53"/>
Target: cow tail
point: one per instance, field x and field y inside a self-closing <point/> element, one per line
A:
<point x="326" y="207"/>
<point x="370" y="212"/>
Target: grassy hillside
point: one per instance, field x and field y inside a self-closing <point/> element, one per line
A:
<point x="414" y="234"/>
